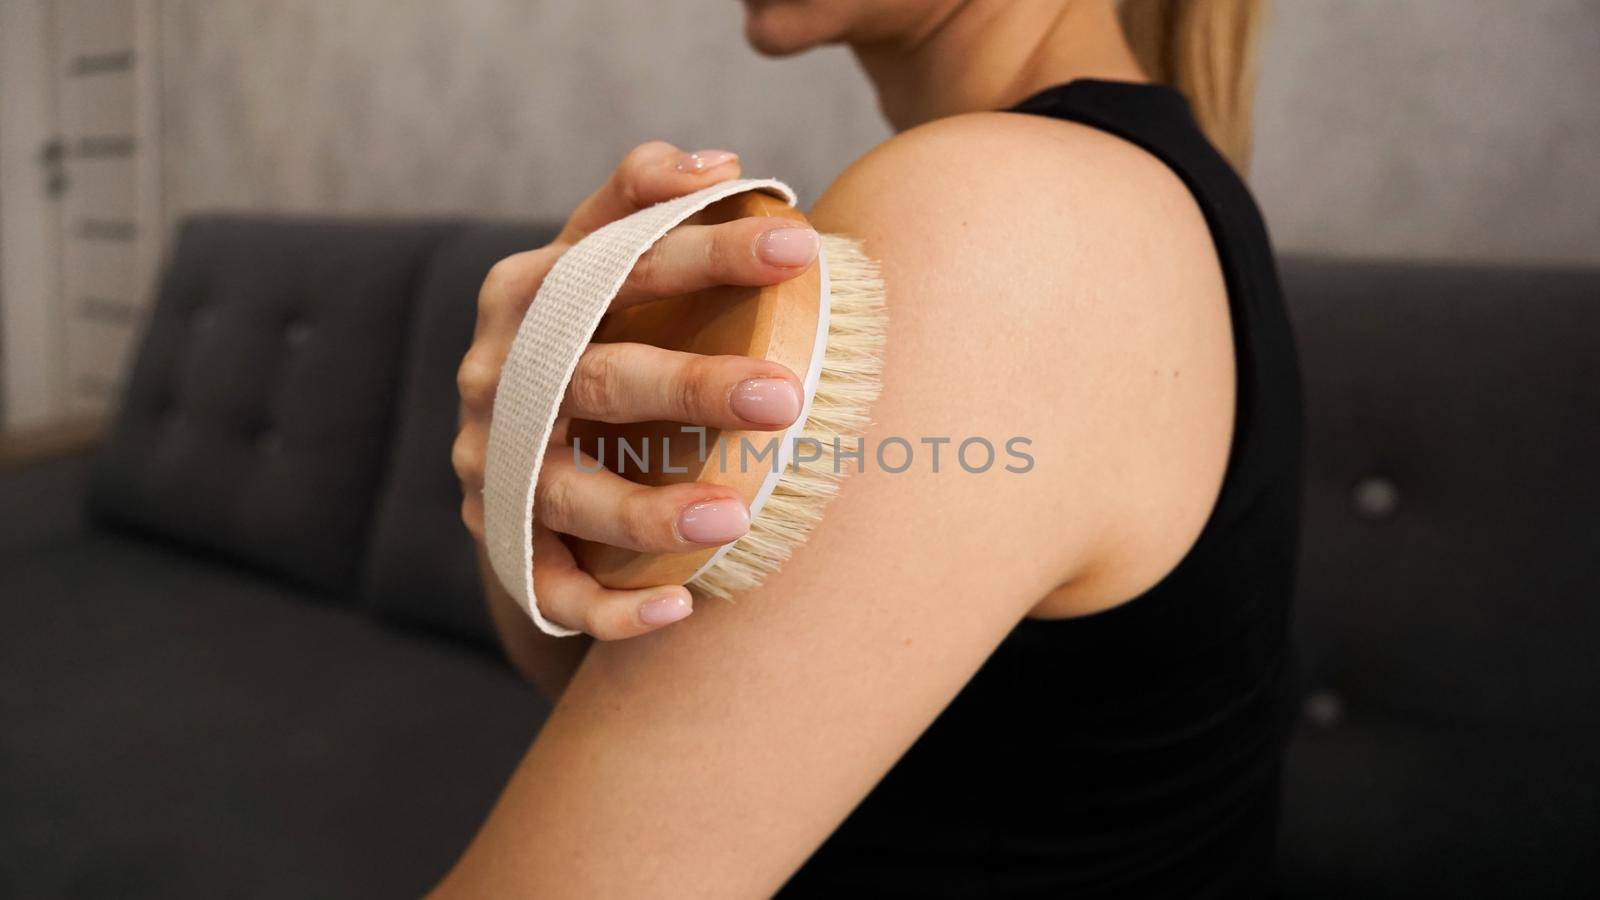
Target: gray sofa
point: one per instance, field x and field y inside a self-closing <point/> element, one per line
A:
<point x="244" y="656"/>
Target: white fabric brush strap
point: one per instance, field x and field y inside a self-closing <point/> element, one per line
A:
<point x="558" y="326"/>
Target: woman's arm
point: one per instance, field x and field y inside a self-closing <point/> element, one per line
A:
<point x="710" y="759"/>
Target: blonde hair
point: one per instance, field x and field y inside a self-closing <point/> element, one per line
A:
<point x="1207" y="50"/>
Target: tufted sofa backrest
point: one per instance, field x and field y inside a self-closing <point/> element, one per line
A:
<point x="422" y="569"/>
<point x="1451" y="555"/>
<point x="257" y="419"/>
<point x="293" y="404"/>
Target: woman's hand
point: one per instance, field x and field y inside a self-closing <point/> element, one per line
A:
<point x="633" y="383"/>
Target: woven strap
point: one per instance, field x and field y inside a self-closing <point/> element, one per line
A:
<point x="558" y="327"/>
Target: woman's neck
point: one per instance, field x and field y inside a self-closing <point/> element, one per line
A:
<point x="991" y="54"/>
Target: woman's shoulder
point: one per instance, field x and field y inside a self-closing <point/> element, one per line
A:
<point x="1070" y="224"/>
<point x="1070" y="173"/>
<point x="1055" y="280"/>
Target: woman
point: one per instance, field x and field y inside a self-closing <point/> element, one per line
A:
<point x="1065" y="682"/>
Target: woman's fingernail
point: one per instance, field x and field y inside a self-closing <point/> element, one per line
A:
<point x="704" y="160"/>
<point x="713" y="521"/>
<point x="766" y="401"/>
<point x="665" y="610"/>
<point x="787" y="247"/>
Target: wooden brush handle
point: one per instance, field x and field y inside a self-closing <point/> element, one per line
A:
<point x="776" y="323"/>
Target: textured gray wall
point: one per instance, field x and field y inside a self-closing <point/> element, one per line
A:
<point x="1446" y="128"/>
<point x="1450" y="128"/>
<point x="489" y="107"/>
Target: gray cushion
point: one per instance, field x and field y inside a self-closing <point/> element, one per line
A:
<point x="257" y="419"/>
<point x="422" y="569"/>
<point x="176" y="728"/>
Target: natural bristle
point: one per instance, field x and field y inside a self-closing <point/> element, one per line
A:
<point x="849" y="383"/>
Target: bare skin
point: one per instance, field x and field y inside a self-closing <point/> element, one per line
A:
<point x="1071" y="295"/>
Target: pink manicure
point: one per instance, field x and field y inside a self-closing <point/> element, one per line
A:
<point x="704" y="161"/>
<point x="713" y="522"/>
<point x="665" y="610"/>
<point x="787" y="247"/>
<point x="766" y="401"/>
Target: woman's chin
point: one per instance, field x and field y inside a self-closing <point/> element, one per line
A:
<point x="774" y="43"/>
<point x="783" y="29"/>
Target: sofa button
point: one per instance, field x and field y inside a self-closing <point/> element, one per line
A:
<point x="296" y="334"/>
<point x="1323" y="709"/>
<point x="1376" y="497"/>
<point x="269" y="442"/>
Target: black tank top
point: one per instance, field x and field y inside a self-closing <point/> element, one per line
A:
<point x="1134" y="752"/>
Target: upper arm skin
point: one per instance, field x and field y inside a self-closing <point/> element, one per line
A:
<point x="1028" y="293"/>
